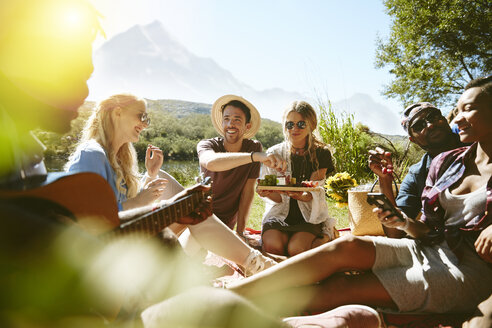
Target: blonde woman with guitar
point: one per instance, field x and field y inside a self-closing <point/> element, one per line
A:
<point x="106" y="149"/>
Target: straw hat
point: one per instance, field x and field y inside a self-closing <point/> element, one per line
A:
<point x="217" y="115"/>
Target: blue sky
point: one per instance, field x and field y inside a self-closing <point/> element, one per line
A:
<point x="310" y="46"/>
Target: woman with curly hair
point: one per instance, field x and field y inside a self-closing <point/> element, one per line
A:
<point x="296" y="221"/>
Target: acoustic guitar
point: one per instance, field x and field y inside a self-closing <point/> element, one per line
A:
<point x="91" y="202"/>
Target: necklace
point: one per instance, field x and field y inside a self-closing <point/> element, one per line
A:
<point x="298" y="151"/>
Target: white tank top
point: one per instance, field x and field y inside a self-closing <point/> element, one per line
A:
<point x="461" y="209"/>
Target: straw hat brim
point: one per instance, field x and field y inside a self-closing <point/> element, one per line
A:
<point x="217" y="115"/>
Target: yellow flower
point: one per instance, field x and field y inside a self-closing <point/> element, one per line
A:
<point x="341" y="205"/>
<point x="337" y="186"/>
<point x="335" y="196"/>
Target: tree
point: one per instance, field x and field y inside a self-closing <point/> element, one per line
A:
<point x="270" y="133"/>
<point x="435" y="48"/>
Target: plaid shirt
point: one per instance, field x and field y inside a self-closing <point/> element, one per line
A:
<point x="446" y="169"/>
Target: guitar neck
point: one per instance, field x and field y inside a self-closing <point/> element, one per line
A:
<point x="152" y="223"/>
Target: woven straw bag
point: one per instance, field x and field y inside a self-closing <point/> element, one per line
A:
<point x="362" y="220"/>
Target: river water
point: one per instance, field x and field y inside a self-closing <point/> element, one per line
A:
<point x="183" y="171"/>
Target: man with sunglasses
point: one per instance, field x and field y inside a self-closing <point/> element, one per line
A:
<point x="233" y="160"/>
<point x="428" y="128"/>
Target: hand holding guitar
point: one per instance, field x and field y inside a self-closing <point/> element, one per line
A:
<point x="202" y="211"/>
<point x="190" y="206"/>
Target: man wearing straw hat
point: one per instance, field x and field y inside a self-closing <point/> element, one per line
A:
<point x="233" y="159"/>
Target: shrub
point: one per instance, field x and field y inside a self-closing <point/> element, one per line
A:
<point x="349" y="142"/>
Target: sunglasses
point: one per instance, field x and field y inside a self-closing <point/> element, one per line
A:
<point x="421" y="124"/>
<point x="144" y="118"/>
<point x="290" y="125"/>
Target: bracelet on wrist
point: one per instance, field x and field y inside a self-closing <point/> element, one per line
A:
<point x="405" y="227"/>
<point x="252" y="160"/>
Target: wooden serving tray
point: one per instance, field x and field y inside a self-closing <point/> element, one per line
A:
<point x="288" y="188"/>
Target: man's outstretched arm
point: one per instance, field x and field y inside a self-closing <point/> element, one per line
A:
<point x="218" y="162"/>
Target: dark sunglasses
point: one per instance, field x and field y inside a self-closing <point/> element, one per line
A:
<point x="144" y="118"/>
<point x="290" y="125"/>
<point x="431" y="118"/>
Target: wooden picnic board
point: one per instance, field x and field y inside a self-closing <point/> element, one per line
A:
<point x="288" y="188"/>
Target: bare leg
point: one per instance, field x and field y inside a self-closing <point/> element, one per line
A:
<point x="342" y="254"/>
<point x="320" y="241"/>
<point x="208" y="307"/>
<point x="213" y="235"/>
<point x="300" y="242"/>
<point x="274" y="241"/>
<point x="339" y="289"/>
<point x="344" y="289"/>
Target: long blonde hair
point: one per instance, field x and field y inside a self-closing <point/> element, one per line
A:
<point x="100" y="127"/>
<point x="309" y="115"/>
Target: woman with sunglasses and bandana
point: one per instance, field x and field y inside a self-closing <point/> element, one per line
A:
<point x="297" y="221"/>
<point x="106" y="149"/>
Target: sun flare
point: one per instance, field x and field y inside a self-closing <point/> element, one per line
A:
<point x="71" y="17"/>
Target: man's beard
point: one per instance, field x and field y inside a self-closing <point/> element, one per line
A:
<point x="232" y="139"/>
<point x="444" y="142"/>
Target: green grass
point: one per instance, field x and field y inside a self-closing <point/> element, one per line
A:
<point x="256" y="213"/>
<point x="258" y="207"/>
<point x="185" y="172"/>
<point x="340" y="214"/>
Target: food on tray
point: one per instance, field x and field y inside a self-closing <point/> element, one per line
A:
<point x="269" y="180"/>
<point x="285" y="181"/>
<point x="273" y="180"/>
<point x="309" y="184"/>
<point x="282" y="180"/>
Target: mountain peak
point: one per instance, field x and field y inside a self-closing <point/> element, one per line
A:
<point x="158" y="33"/>
<point x="147" y="61"/>
<point x="156" y="23"/>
